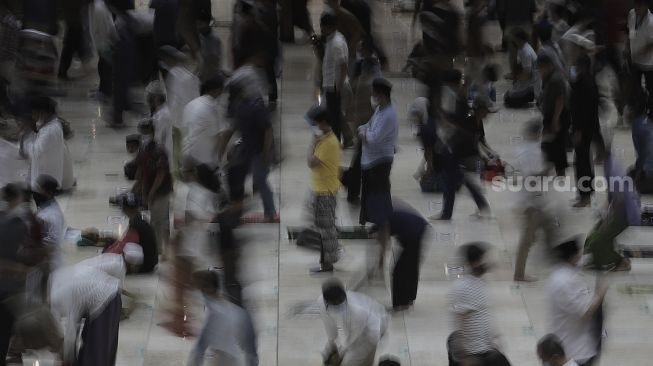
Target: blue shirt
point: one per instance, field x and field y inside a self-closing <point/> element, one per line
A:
<point x="643" y="142"/>
<point x="381" y="133"/>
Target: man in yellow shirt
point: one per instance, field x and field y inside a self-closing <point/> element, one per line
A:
<point x="324" y="162"/>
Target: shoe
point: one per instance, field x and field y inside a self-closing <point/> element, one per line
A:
<point x="439" y="217"/>
<point x="321" y="269"/>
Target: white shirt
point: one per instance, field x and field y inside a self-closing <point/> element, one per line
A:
<point x="531" y="164"/>
<point x="640" y="37"/>
<point x="163" y="124"/>
<point x="527" y="58"/>
<point x="336" y="53"/>
<point x="469" y="303"/>
<point x="569" y="299"/>
<point x="182" y="87"/>
<point x="54" y="227"/>
<point x="194" y="208"/>
<point x="204" y="121"/>
<point x="103" y="30"/>
<point x="47" y="152"/>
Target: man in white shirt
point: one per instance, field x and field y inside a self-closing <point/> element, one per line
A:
<point x="363" y="322"/>
<point x="104" y="36"/>
<point x="47" y="151"/>
<point x="334" y="70"/>
<point x="640" y="45"/>
<point x="155" y="96"/>
<point x="573" y="308"/>
<point x="531" y="163"/>
<point x="551" y="352"/>
<point x="204" y="121"/>
<point x="523" y="88"/>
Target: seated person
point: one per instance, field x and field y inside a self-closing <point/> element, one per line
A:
<point x="139" y="232"/>
<point x="623" y="210"/>
<point x="522" y="91"/>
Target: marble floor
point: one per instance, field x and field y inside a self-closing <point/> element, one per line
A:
<point x="277" y="288"/>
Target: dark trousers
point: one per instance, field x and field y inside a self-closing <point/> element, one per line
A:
<point x="300" y="16"/>
<point x="375" y="197"/>
<point x="584" y="166"/>
<point x="229" y="254"/>
<point x="6" y="325"/>
<point x="73" y="43"/>
<point x="556" y="151"/>
<point x="405" y="275"/>
<point x="100" y="337"/>
<point x="124" y="66"/>
<point x="453" y="178"/>
<point x="105" y="73"/>
<point x="354" y="174"/>
<point x="589" y="362"/>
<point x="648" y="81"/>
<point x="273" y="91"/>
<point x="333" y="105"/>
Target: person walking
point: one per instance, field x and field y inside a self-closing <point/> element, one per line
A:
<point x="639" y="48"/>
<point x="379" y="139"/>
<point x="324" y="161"/>
<point x="335" y="65"/>
<point x="551" y="352"/>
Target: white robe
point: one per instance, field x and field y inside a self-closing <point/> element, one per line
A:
<point x="48" y="153"/>
<point x="203" y="121"/>
<point x="163" y="123"/>
<point x="182" y="87"/>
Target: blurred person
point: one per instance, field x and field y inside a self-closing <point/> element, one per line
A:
<point x="524" y="72"/>
<point x="639" y="47"/>
<point x="154" y="184"/>
<point x="41" y="15"/>
<point x="363" y="322"/>
<point x="324" y="161"/>
<point x="409" y="228"/>
<point x="211" y="55"/>
<point x="348" y="25"/>
<point x="104" y="36"/>
<point x="132" y="144"/>
<point x="301" y="18"/>
<point x="462" y="158"/>
<point x="124" y="61"/>
<point x="48" y="151"/>
<point x="550" y="48"/>
<point x="536" y="211"/>
<point x="515" y="14"/>
<point x="476" y="47"/>
<point x="379" y="139"/>
<point x="87" y="295"/>
<point x="204" y="119"/>
<point x="10" y="27"/>
<point x="556" y="11"/>
<point x="585" y="127"/>
<point x="138" y="232"/>
<point x="189" y="11"/>
<point x="366" y="69"/>
<point x="155" y="97"/>
<point x="363" y="12"/>
<point x="554" y="105"/>
<point x="573" y="309"/>
<point x="73" y="40"/>
<point x="425" y="124"/>
<point x="195" y="205"/>
<point x="551" y="352"/>
<point x="334" y="71"/>
<point x="228" y="330"/>
<point x="642" y="135"/>
<point x="623" y="209"/>
<point x="50" y="216"/>
<point x="473" y="340"/>
<point x="166" y="13"/>
<point x="389" y="361"/>
<point x="182" y="86"/>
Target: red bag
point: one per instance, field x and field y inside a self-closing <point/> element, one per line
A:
<point x="494" y="168"/>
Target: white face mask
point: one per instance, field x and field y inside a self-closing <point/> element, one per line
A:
<point x="374" y="102"/>
<point x="317" y="132"/>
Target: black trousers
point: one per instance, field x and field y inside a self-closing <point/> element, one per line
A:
<point x="453" y="178"/>
<point x="300" y="16"/>
<point x="584" y="167"/>
<point x="334" y="108"/>
<point x="273" y="91"/>
<point x="105" y="73"/>
<point x="100" y="337"/>
<point x="405" y="275"/>
<point x="375" y="197"/>
<point x="354" y="174"/>
<point x="73" y="43"/>
<point x="648" y="81"/>
<point x="6" y="325"/>
<point x="555" y="150"/>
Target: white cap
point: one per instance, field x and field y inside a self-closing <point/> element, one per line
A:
<point x="133" y="254"/>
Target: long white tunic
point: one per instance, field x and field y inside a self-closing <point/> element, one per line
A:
<point x="204" y="122"/>
<point x="48" y="153"/>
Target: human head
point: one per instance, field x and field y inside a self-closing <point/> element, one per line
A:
<point x="568" y="252"/>
<point x="318" y="117"/>
<point x="43" y="108"/>
<point x="544" y="32"/>
<point x="12" y="195"/>
<point x="550" y="350"/>
<point x="213" y="86"/>
<point x="328" y="23"/>
<point x="207" y="281"/>
<point x="453" y="78"/>
<point x="133" y="142"/>
<point x="641" y="7"/>
<point x="545" y="66"/>
<point x="583" y="63"/>
<point x="155" y="95"/>
<point x="366" y="48"/>
<point x="146" y="127"/>
<point x="45" y="189"/>
<point x="533" y="129"/>
<point x="381" y="90"/>
<point x="333" y="292"/>
<point x="520" y="36"/>
<point x="474" y="254"/>
<point x="129" y="204"/>
<point x="203" y="23"/>
<point x="389" y="361"/>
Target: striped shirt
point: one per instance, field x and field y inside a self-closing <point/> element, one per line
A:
<point x="469" y="303"/>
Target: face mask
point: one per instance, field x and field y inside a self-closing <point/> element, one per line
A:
<point x="374" y="102"/>
<point x="317" y="132"/>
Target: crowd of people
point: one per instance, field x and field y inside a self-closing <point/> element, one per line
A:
<point x="210" y="126"/>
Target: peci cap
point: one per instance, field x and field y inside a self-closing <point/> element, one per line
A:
<point x="382" y="85"/>
<point x="46" y="184"/>
<point x="316" y="113"/>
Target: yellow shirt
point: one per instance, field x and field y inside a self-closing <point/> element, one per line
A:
<point x="326" y="176"/>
